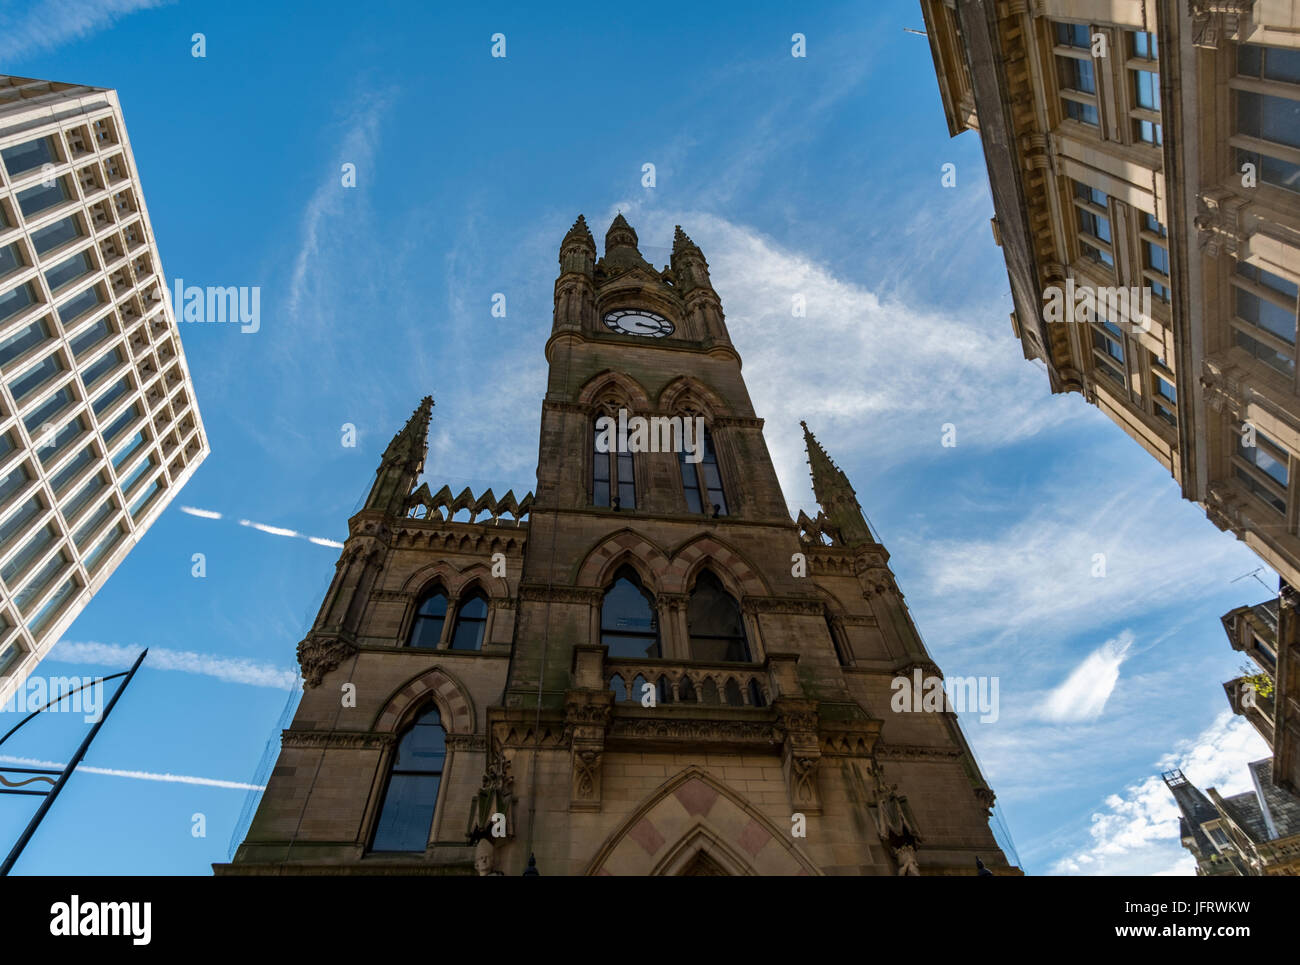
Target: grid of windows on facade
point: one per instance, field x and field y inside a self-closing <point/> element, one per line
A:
<point x="1261" y="466"/>
<point x="1155" y="256"/>
<point x="466" y="631"/>
<point x="411" y="794"/>
<point x="1266" y="92"/>
<point x="117" y="347"/>
<point x="1264" y="316"/>
<point x="1076" y="72"/>
<point x="1092" y="208"/>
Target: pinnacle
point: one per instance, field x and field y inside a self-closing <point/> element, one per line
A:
<point x="618" y="227"/>
<point x="580" y="232"/>
<point x="681" y="239"/>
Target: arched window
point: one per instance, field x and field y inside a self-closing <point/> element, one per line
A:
<point x="714" y="623"/>
<point x="406" y="817"/>
<point x="431" y="614"/>
<point x="701" y="480"/>
<point x="471" y="621"/>
<point x="835" y="641"/>
<point x="628" y="625"/>
<point x="611" y="471"/>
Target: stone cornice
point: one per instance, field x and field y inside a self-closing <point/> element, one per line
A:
<point x="350" y="740"/>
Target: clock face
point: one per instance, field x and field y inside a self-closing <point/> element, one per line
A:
<point x="634" y="321"/>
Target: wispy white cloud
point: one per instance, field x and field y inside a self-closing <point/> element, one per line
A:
<point x="201" y="513"/>
<point x="264" y="527"/>
<point x="1055" y="570"/>
<point x="237" y="670"/>
<point x="46" y="24"/>
<point x="136" y="775"/>
<point x="1084" y="693"/>
<point x="1136" y="832"/>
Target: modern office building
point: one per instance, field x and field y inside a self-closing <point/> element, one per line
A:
<point x="1147" y="152"/>
<point x="648" y="668"/>
<point x="99" y="427"/>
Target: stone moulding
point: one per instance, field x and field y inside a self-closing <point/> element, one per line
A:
<point x="350" y="740"/>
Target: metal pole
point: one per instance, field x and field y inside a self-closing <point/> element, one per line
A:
<point x="67" y="771"/>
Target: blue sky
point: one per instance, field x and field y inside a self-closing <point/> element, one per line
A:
<point x="817" y="176"/>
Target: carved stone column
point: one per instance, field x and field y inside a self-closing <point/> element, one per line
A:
<point x="800" y="751"/>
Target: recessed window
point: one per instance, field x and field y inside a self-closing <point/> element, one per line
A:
<point x="702" y="481"/>
<point x="22" y="158"/>
<point x="1265" y="304"/>
<point x="612" y="473"/>
<point x="10" y="259"/>
<point x="99" y="330"/>
<point x="714" y="623"/>
<point x="36" y="377"/>
<point x="471" y="621"/>
<point x="1269" y="63"/>
<point x="14" y="301"/>
<point x="36" y="420"/>
<point x="17" y="522"/>
<point x="69" y="270"/>
<point x="79" y="304"/>
<point x="430" y="616"/>
<point x="42" y="197"/>
<point x="628" y="625"/>
<point x="411" y="797"/>
<point x="56" y="234"/>
<point x="30" y="335"/>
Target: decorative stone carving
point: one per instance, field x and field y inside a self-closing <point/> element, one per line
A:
<point x="1218" y="223"/>
<point x="350" y="740"/>
<point x="1214" y="21"/>
<point x="586" y="716"/>
<point x="541" y="592"/>
<point x="491" y="813"/>
<point x="318" y="654"/>
<point x="800" y="751"/>
<point x="895" y="824"/>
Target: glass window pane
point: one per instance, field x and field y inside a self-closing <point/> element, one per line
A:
<point x="69" y="270"/>
<point x="56" y="234"/>
<point x="10" y="260"/>
<point x="13" y="302"/>
<point x="37" y="199"/>
<point x="20" y="341"/>
<point x="22" y="158"/>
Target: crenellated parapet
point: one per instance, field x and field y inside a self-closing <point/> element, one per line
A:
<point x="442" y="505"/>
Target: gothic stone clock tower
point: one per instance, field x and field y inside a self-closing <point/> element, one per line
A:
<point x="646" y="668"/>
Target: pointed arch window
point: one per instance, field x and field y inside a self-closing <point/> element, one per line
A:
<point x="702" y="481"/>
<point x="628" y="623"/>
<point x="406" y="817"/>
<point x="835" y="641"/>
<point x="714" y="623"/>
<point x="430" y="616"/>
<point x="612" y="474"/>
<point x="471" y="622"/>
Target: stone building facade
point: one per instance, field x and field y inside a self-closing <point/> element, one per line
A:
<point x="1153" y="147"/>
<point x="648" y="667"/>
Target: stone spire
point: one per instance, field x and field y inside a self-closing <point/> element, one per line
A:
<point x="689" y="267"/>
<point x="402" y="463"/>
<point x="621" y="251"/>
<point x="835" y="496"/>
<point x="578" y="249"/>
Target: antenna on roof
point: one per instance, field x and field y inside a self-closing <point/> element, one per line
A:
<point x="909" y="30"/>
<point x="1254" y="573"/>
